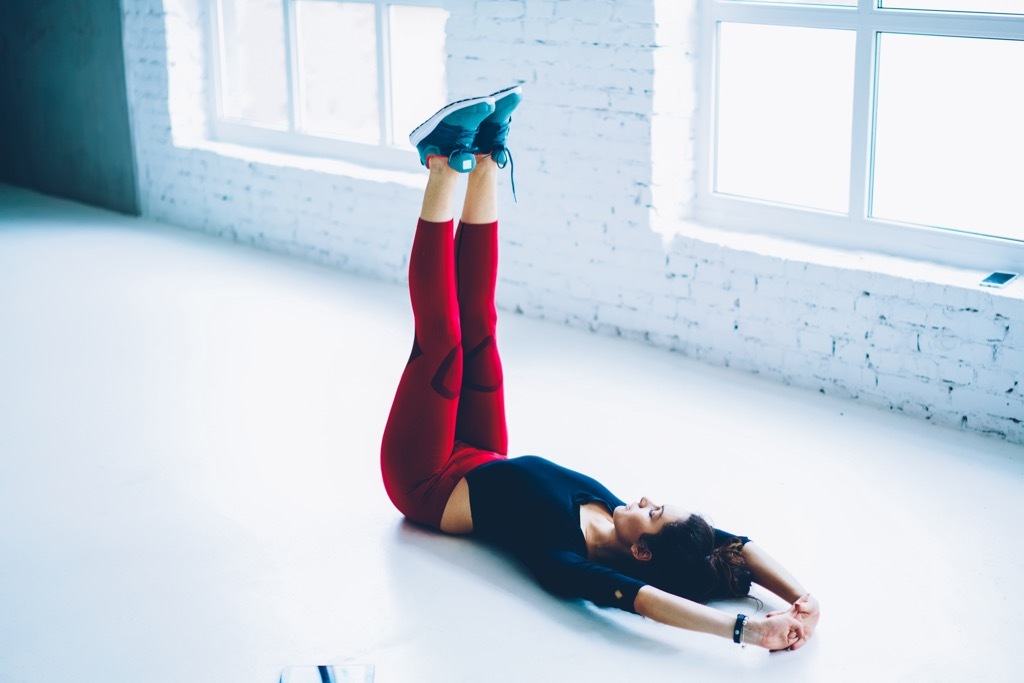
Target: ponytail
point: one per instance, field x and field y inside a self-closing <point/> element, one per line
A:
<point x="732" y="577"/>
<point x="685" y="562"/>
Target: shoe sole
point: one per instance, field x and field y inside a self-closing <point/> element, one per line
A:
<point x="498" y="97"/>
<point x="427" y="127"/>
<point x="505" y="91"/>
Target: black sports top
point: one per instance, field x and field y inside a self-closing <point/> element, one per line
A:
<point x="529" y="506"/>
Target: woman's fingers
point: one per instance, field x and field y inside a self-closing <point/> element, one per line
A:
<point x="784" y="632"/>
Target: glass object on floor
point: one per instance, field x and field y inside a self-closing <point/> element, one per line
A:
<point x="328" y="673"/>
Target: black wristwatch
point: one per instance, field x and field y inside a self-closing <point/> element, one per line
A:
<point x="737" y="630"/>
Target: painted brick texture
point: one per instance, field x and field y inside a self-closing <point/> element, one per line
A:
<point x="605" y="169"/>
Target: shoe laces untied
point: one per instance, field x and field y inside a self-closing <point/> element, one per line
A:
<point x="502" y="155"/>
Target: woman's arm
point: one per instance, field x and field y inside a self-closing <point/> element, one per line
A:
<point x="778" y="633"/>
<point x="769" y="573"/>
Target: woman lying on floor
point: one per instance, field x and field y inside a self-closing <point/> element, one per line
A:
<point x="444" y="453"/>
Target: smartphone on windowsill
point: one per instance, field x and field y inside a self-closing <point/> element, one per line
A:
<point x="998" y="279"/>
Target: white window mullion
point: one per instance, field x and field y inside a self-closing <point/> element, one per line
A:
<point x="216" y="59"/>
<point x="861" y="143"/>
<point x="713" y="126"/>
<point x="384" y="73"/>
<point x="947" y="23"/>
<point x="706" y="115"/>
<point x="292" y="55"/>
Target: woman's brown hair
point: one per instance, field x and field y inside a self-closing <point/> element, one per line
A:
<point x="686" y="562"/>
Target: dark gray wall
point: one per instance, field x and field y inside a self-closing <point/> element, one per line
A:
<point x="64" y="127"/>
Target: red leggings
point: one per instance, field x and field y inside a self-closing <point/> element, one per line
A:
<point x="448" y="416"/>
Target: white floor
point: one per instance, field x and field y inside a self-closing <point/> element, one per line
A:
<point x="189" y="491"/>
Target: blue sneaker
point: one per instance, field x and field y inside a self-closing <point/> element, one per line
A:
<point x="450" y="132"/>
<point x="490" y="137"/>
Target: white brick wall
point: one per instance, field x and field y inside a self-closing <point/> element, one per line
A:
<point x="604" y="171"/>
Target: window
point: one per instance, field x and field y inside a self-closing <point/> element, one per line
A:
<point x="885" y="125"/>
<point x="325" y="77"/>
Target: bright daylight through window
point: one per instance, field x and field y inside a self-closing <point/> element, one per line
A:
<point x="890" y="125"/>
<point x="321" y="77"/>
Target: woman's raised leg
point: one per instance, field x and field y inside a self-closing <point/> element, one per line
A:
<point x="482" y="406"/>
<point x="419" y="459"/>
<point x="481" y="416"/>
<point x="420" y="432"/>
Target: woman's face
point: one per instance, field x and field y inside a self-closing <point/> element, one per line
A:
<point x="644" y="517"/>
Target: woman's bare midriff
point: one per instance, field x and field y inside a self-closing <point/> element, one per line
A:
<point x="458" y="517"/>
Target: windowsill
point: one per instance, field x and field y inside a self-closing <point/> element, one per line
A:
<point x="768" y="246"/>
<point x="411" y="179"/>
<point x="868" y="262"/>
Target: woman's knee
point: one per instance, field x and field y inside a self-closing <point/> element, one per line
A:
<point x="436" y="334"/>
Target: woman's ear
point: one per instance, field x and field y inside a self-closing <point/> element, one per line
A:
<point x="641" y="552"/>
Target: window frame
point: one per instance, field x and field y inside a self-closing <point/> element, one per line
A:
<point x="383" y="154"/>
<point x="855" y="230"/>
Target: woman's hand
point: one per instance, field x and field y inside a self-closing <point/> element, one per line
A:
<point x="776" y="631"/>
<point x="806" y="610"/>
